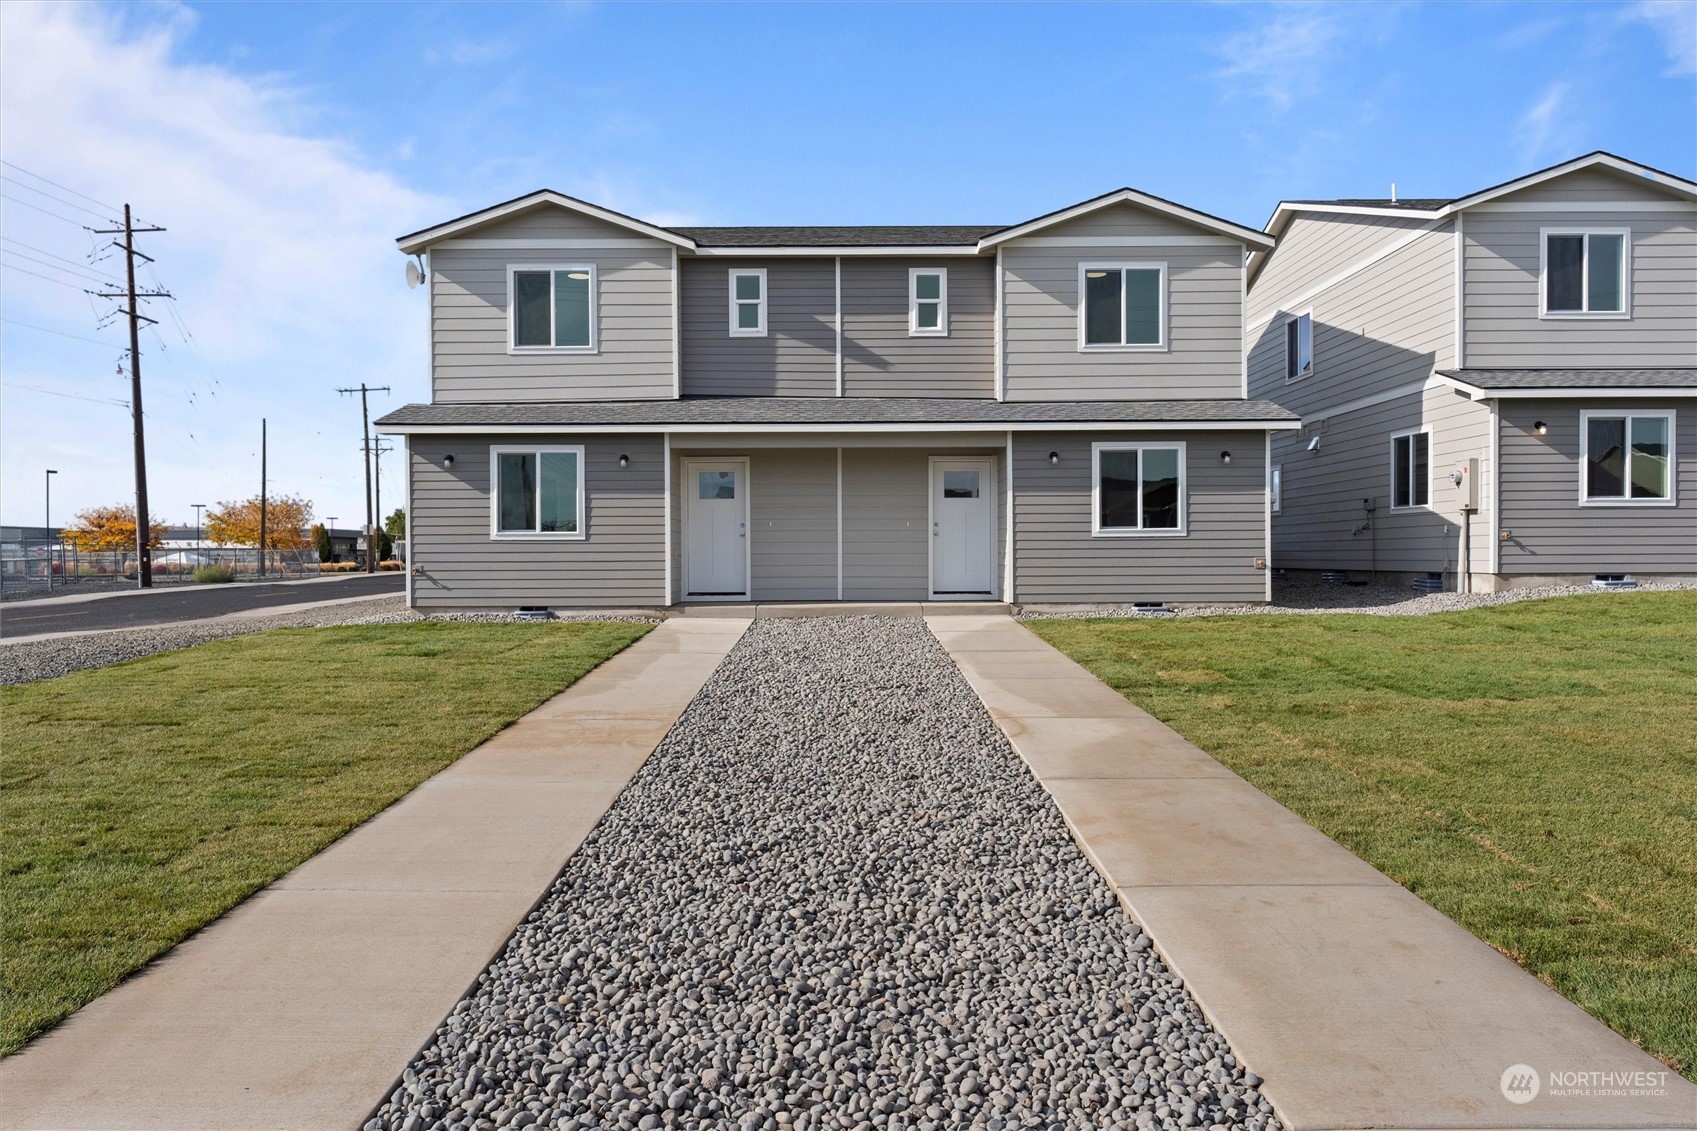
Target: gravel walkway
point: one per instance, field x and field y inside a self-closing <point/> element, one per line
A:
<point x="832" y="898"/>
<point x="1379" y="600"/>
<point x="27" y="660"/>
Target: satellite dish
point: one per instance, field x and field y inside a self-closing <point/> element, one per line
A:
<point x="414" y="275"/>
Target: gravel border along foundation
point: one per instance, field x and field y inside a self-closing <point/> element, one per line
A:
<point x="1311" y="597"/>
<point x="833" y="897"/>
<point x="27" y="660"/>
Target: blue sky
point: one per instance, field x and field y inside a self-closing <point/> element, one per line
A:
<point x="285" y="146"/>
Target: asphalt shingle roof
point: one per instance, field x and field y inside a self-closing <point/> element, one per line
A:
<point x="1412" y="203"/>
<point x="889" y="235"/>
<point x="1667" y="378"/>
<point x="779" y="411"/>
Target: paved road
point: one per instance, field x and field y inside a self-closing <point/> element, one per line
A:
<point x="165" y="606"/>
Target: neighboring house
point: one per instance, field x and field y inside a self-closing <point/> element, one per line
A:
<point x="1508" y="379"/>
<point x="628" y="414"/>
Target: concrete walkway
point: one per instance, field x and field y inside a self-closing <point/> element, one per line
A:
<point x="1359" y="1004"/>
<point x="297" y="1010"/>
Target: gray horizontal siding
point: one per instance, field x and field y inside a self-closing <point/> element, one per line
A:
<point x="798" y="355"/>
<point x="1204" y="315"/>
<point x="620" y="562"/>
<point x="1319" y="523"/>
<point x="1389" y="324"/>
<point x="880" y="357"/>
<point x="1503" y="300"/>
<point x="1552" y="533"/>
<point x="886" y="535"/>
<point x="471" y="363"/>
<point x="1313" y="248"/>
<point x="1057" y="560"/>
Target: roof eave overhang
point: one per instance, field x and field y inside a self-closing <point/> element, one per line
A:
<point x="819" y="252"/>
<point x="420" y="241"/>
<point x="1593" y="392"/>
<point x="941" y="426"/>
<point x="1247" y="236"/>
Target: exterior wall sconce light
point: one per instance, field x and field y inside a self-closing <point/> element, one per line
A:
<point x="1225" y="457"/>
<point x="448" y="462"/>
<point x="624" y="461"/>
<point x="1540" y="428"/>
<point x="1054" y="457"/>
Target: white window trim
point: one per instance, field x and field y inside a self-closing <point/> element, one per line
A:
<point x="1622" y="315"/>
<point x="1585" y="415"/>
<point x="941" y="330"/>
<point x="1426" y="431"/>
<point x="1275" y="488"/>
<point x="594" y="345"/>
<point x="731" y="280"/>
<point x="1291" y="378"/>
<point x="1160" y="346"/>
<point x="495" y="531"/>
<point x="1097" y="530"/>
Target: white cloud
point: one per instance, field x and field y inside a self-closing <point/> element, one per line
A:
<point x="1547" y="125"/>
<point x="1675" y="22"/>
<point x="1278" y="57"/>
<point x="279" y="248"/>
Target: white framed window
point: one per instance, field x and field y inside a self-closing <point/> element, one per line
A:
<point x="1411" y="469"/>
<point x="1299" y="346"/>
<point x="748" y="302"/>
<point x="1122" y="306"/>
<point x="536" y="491"/>
<point x="1137" y="489"/>
<point x="1585" y="272"/>
<point x="1275" y="489"/>
<point x="551" y="308"/>
<point x="1626" y="458"/>
<point x="928" y="302"/>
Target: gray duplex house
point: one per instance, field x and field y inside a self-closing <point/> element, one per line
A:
<point x="1048" y="412"/>
<point x="1495" y="390"/>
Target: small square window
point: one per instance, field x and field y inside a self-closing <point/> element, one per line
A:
<point x="927" y="302"/>
<point x="715" y="484"/>
<point x="748" y="302"/>
<point x="1299" y="347"/>
<point x="1122" y="306"/>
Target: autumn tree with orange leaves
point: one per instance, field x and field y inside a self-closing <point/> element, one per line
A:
<point x="110" y="528"/>
<point x="287" y="518"/>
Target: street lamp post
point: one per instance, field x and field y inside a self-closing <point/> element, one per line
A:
<point x="198" y="507"/>
<point x="47" y="524"/>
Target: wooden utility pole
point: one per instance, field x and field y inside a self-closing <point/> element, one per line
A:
<point x="262" y="496"/>
<point x="365" y="432"/>
<point x="144" y="531"/>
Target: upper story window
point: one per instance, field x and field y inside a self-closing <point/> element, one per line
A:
<point x="928" y="302"/>
<point x="1139" y="489"/>
<point x="1124" y="305"/>
<point x="1627" y="457"/>
<point x="537" y="491"/>
<point x="552" y="308"/>
<point x="1411" y="470"/>
<point x="1586" y="272"/>
<point x="748" y="302"/>
<point x="1299" y="347"/>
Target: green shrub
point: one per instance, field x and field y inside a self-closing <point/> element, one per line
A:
<point x="214" y="574"/>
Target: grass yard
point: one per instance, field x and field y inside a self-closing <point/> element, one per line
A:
<point x="139" y="802"/>
<point x="1530" y="770"/>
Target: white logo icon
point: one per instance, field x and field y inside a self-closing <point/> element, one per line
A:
<point x="1520" y="1084"/>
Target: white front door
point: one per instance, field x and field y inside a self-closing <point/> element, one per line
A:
<point x="963" y="528"/>
<point x="715" y="527"/>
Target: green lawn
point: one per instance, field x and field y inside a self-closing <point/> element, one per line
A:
<point x="1530" y="770"/>
<point x="140" y="802"/>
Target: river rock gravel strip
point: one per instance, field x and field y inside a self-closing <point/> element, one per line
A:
<point x="833" y="897"/>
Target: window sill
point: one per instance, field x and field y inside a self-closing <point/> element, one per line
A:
<point x="1423" y="508"/>
<point x="512" y="536"/>
<point x="1179" y="533"/>
<point x="927" y="333"/>
<point x="520" y="351"/>
<point x="1161" y="348"/>
<point x="1299" y="377"/>
<point x="1585" y="316"/>
<point x="745" y="333"/>
<point x="1629" y="503"/>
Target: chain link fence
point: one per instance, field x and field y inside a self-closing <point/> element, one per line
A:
<point x="33" y="567"/>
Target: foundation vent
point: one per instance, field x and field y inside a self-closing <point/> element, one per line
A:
<point x="533" y="612"/>
<point x="1613" y="581"/>
<point x="1430" y="583"/>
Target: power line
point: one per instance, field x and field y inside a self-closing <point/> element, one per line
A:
<point x="102" y="216"/>
<point x="43" y="211"/>
<point x="82" y="263"/>
<point x="60" y="333"/>
<point x="73" y="396"/>
<point x="83" y="272"/>
<point x="57" y="185"/>
<point x="26" y="271"/>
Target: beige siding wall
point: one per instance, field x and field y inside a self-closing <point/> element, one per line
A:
<point x="1503" y="264"/>
<point x="1058" y="560"/>
<point x="620" y="561"/>
<point x="1203" y="358"/>
<point x="468" y="295"/>
<point x="1551" y="533"/>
